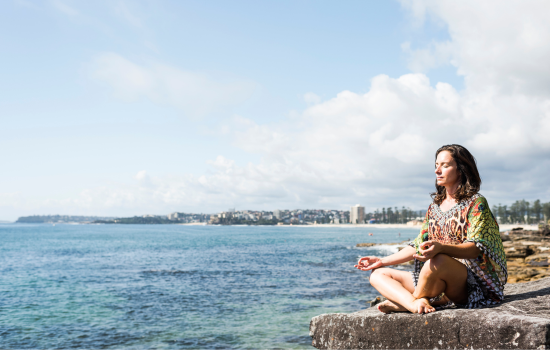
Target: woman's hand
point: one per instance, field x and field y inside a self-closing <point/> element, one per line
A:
<point x="367" y="263"/>
<point x="428" y="250"/>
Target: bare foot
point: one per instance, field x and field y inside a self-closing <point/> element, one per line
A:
<point x="388" y="306"/>
<point x="421" y="306"/>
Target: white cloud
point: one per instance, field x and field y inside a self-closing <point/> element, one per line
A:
<point x="422" y="60"/>
<point x="194" y="93"/>
<point x="497" y="46"/>
<point x="375" y="148"/>
<point x="311" y="99"/>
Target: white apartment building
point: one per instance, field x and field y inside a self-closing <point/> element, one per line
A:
<point x="357" y="214"/>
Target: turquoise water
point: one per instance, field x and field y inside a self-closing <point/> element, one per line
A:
<point x="173" y="286"/>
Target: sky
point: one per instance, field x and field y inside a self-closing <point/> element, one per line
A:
<point x="123" y="108"/>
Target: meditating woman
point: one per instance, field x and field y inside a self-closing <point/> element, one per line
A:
<point x="459" y="257"/>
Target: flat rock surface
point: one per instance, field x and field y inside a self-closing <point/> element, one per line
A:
<point x="522" y="321"/>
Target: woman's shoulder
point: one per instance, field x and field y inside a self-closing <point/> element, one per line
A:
<point x="474" y="200"/>
<point x="479" y="199"/>
<point x="478" y="203"/>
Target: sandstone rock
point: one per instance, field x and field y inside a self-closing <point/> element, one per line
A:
<point x="519" y="271"/>
<point x="542" y="249"/>
<point x="532" y="243"/>
<point x="517" y="252"/>
<point x="376" y="301"/>
<point x="365" y="244"/>
<point x="522" y="321"/>
<point x="373" y="244"/>
<point x="538" y="259"/>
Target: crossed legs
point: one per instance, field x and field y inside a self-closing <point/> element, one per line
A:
<point x="439" y="274"/>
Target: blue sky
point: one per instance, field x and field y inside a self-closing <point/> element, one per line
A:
<point x="133" y="107"/>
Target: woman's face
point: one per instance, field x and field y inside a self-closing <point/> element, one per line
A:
<point x="446" y="171"/>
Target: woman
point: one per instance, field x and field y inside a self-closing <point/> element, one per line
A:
<point x="459" y="257"/>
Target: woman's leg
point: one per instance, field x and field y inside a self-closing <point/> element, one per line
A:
<point x="397" y="286"/>
<point x="439" y="274"/>
<point x="443" y="274"/>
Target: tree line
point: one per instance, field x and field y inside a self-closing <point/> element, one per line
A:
<point x="395" y="216"/>
<point x="522" y="212"/>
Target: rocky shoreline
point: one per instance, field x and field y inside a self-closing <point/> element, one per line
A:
<point x="527" y="253"/>
<point x="521" y="321"/>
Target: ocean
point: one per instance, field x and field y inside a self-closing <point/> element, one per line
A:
<point x="178" y="286"/>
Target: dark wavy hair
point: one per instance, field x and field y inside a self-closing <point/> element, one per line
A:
<point x="469" y="178"/>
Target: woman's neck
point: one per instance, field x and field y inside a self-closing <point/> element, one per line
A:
<point x="450" y="192"/>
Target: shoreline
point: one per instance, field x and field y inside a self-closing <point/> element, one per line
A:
<point x="504" y="227"/>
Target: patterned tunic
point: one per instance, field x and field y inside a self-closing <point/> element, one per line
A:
<point x="470" y="220"/>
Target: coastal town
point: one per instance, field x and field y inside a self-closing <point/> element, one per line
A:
<point x="519" y="212"/>
<point x="356" y="215"/>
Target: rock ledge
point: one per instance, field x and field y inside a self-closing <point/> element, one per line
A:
<point x="522" y="321"/>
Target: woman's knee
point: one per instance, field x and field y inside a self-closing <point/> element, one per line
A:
<point x="436" y="264"/>
<point x="377" y="274"/>
<point x="440" y="260"/>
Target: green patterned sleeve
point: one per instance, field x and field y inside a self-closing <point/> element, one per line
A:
<point x="483" y="230"/>
<point x="423" y="235"/>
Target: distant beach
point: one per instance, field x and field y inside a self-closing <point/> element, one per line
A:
<point x="503" y="227"/>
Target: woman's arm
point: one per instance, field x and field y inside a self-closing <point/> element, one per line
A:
<point x="370" y="262"/>
<point x="429" y="249"/>
<point x="404" y="255"/>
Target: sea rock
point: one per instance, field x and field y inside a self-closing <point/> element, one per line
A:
<point x="519" y="271"/>
<point x="538" y="259"/>
<point x="365" y="244"/>
<point x="376" y="301"/>
<point x="522" y="321"/>
<point x="404" y="243"/>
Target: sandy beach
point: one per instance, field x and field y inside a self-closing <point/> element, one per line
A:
<point x="504" y="227"/>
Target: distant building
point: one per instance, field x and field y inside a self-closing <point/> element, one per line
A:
<point x="277" y="213"/>
<point x="357" y="214"/>
<point x="172" y="216"/>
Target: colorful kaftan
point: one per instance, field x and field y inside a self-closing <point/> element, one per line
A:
<point x="470" y="220"/>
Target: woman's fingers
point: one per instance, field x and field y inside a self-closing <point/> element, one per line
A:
<point x="375" y="265"/>
<point x="427" y="251"/>
<point x="427" y="247"/>
<point x="368" y="263"/>
<point x="420" y="257"/>
<point x="426" y="244"/>
<point x="365" y="261"/>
